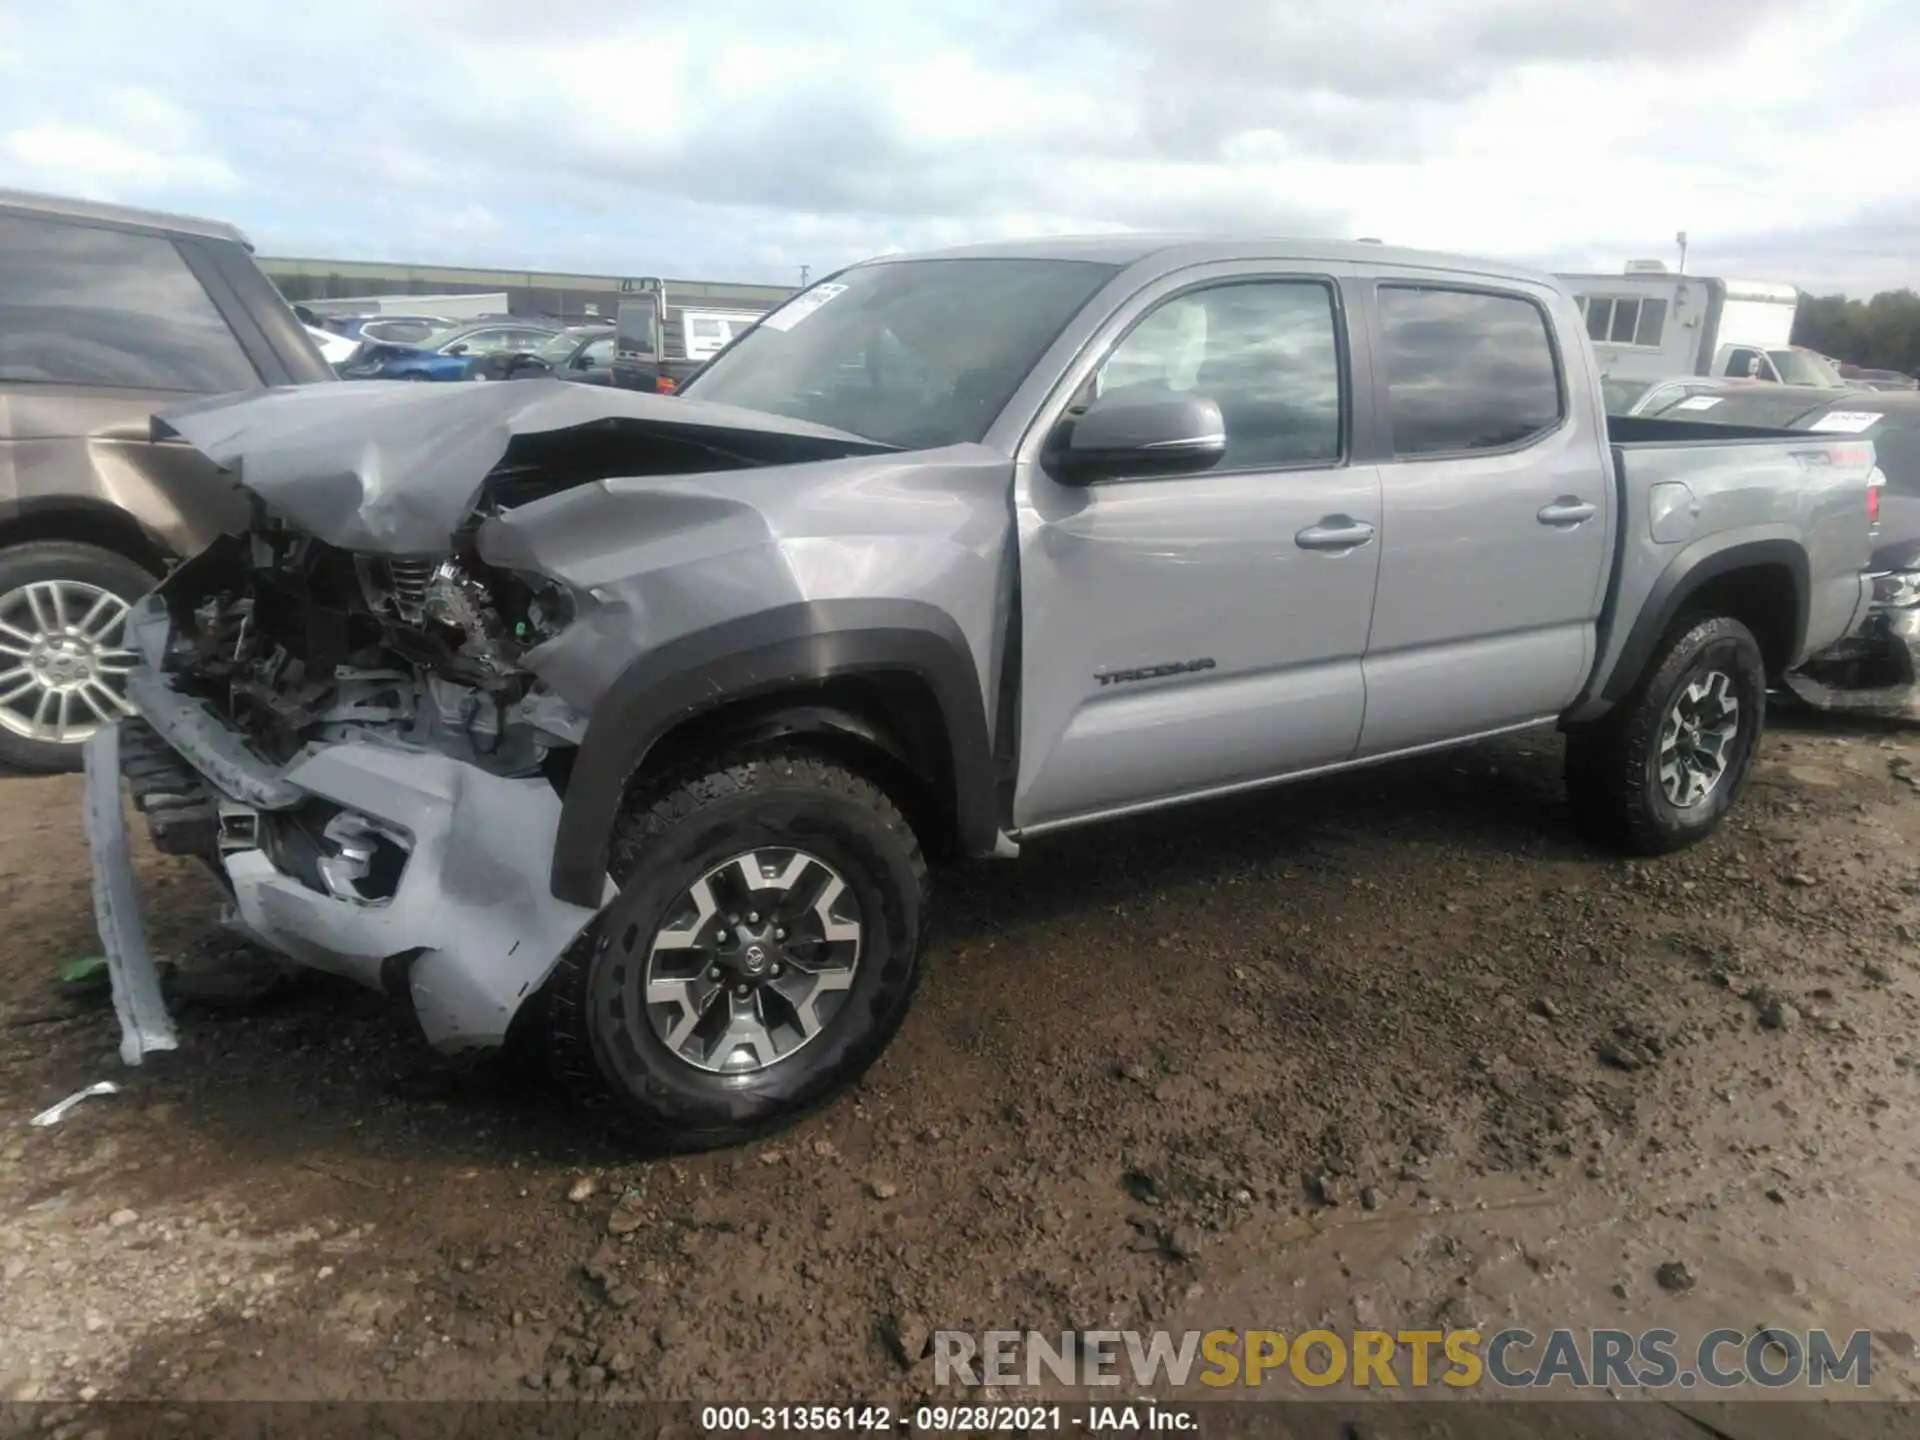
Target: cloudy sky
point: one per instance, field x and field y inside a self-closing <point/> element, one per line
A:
<point x="740" y="139"/>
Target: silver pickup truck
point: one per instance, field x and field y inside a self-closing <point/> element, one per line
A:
<point x="634" y="716"/>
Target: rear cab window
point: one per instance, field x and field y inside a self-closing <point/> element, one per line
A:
<point x="87" y="305"/>
<point x="1468" y="370"/>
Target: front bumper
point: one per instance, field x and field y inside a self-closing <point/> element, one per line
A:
<point x="470" y="928"/>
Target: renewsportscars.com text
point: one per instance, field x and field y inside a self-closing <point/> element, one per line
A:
<point x="1513" y="1358"/>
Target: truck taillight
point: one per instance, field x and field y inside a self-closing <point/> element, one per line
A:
<point x="1873" y="504"/>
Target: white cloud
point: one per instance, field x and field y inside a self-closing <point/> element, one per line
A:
<point x="747" y="137"/>
<point x="98" y="164"/>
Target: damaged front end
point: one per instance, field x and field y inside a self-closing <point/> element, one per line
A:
<point x="355" y="752"/>
<point x="334" y="712"/>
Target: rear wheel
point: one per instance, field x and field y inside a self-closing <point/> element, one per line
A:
<point x="63" y="661"/>
<point x="1663" y="768"/>
<point x="763" y="949"/>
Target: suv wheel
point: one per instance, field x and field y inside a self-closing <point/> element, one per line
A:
<point x="1660" y="772"/>
<point x="63" y="668"/>
<point x="763" y="949"/>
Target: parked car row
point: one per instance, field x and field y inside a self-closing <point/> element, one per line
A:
<point x="491" y="348"/>
<point x="452" y="353"/>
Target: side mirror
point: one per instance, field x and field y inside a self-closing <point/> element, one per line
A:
<point x="1139" y="435"/>
<point x="459" y="347"/>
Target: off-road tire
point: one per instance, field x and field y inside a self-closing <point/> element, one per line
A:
<point x="664" y="840"/>
<point x="39" y="560"/>
<point x="1612" y="767"/>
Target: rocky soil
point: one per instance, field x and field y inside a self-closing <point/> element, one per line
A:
<point x="1390" y="1050"/>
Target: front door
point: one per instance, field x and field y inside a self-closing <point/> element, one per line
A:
<point x="1499" y="510"/>
<point x="1195" y="633"/>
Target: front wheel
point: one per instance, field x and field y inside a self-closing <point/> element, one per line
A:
<point x="763" y="949"/>
<point x="1659" y="772"/>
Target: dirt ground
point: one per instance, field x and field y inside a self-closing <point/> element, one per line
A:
<point x="1393" y="1049"/>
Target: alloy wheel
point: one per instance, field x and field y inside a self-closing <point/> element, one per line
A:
<point x="62" y="662"/>
<point x="1696" y="739"/>
<point x="753" y="960"/>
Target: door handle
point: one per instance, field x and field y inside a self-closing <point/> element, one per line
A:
<point x="1336" y="532"/>
<point x="1568" y="511"/>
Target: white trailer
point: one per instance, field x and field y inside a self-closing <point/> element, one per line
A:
<point x="708" y="332"/>
<point x="1650" y="324"/>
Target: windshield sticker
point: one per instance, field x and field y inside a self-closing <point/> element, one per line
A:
<point x="1847" y="422"/>
<point x="800" y="307"/>
<point x="1698" y="402"/>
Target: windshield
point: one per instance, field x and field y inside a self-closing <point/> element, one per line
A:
<point x="918" y="353"/>
<point x="1801" y="367"/>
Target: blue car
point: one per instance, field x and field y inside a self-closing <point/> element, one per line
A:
<point x="448" y="354"/>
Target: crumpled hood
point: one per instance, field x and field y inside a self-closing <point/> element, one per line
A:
<point x="389" y="467"/>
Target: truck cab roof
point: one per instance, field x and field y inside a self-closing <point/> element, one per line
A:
<point x="1176" y="251"/>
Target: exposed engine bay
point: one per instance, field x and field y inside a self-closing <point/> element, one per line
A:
<point x="357" y="606"/>
<point x="294" y="640"/>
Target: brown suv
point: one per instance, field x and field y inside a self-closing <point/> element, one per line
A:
<point x="107" y="315"/>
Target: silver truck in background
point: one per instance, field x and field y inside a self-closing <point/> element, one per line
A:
<point x="634" y="716"/>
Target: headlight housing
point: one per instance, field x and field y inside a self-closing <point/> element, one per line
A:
<point x="1897" y="589"/>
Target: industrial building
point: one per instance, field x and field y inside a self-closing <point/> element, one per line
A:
<point x="573" y="298"/>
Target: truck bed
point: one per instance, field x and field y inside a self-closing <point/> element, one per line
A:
<point x="1689" y="489"/>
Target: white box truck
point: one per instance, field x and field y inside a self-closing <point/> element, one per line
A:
<point x="1650" y="324"/>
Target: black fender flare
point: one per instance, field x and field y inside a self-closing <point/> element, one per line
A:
<point x="1686" y="574"/>
<point x="756" y="657"/>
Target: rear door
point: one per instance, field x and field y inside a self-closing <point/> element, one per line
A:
<point x="1194" y="633"/>
<point x="1498" y="507"/>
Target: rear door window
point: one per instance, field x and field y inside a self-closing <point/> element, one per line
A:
<point x="1467" y="370"/>
<point x="81" y="305"/>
